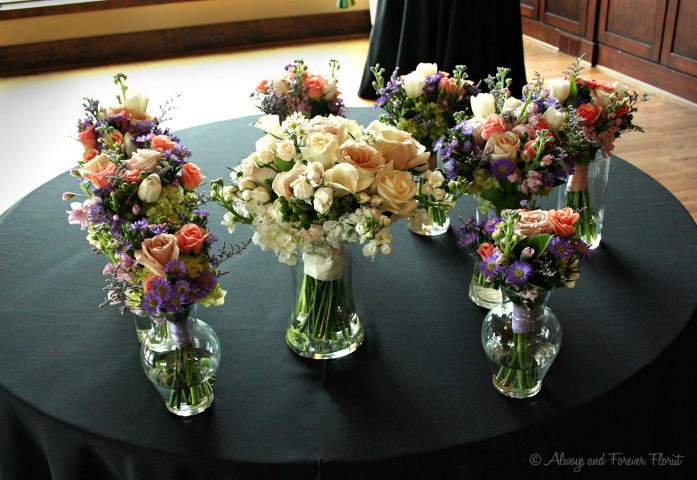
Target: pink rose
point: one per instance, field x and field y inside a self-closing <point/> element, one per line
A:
<point x="191" y="238"/>
<point x="101" y="178"/>
<point x="88" y="137"/>
<point x="145" y="160"/>
<point x="493" y="123"/>
<point x="315" y="86"/>
<point x="155" y="252"/>
<point x="191" y="176"/>
<point x="532" y="223"/>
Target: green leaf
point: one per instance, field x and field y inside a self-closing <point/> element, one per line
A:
<point x="282" y="165"/>
<point x="538" y="243"/>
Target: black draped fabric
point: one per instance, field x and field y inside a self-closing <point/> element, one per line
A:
<point x="483" y="35"/>
<point x="415" y="401"/>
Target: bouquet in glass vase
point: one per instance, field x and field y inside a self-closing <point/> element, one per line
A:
<point x="424" y="103"/>
<point x="528" y="255"/>
<point x="510" y="152"/>
<point x="312" y="188"/>
<point x="300" y="90"/>
<point x="604" y="113"/>
<point x="141" y="210"/>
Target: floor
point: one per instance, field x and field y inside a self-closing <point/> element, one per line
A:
<point x="39" y="112"/>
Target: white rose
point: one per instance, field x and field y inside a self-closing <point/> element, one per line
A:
<point x="150" y="188"/>
<point x="319" y="147"/>
<point x="252" y="172"/>
<point x="323" y="199"/>
<point x="94" y="165"/>
<point x="314" y="171"/>
<point x="620" y="89"/>
<point x="397" y="190"/>
<point x="414" y="84"/>
<point x="483" y="104"/>
<point x="601" y="98"/>
<point x="511" y="103"/>
<point x="554" y="118"/>
<point x="399" y="147"/>
<point x="427" y="69"/>
<point x="347" y="179"/>
<point x="559" y="88"/>
<point x="301" y="188"/>
<point x="145" y="160"/>
<point x="285" y="150"/>
<point x="329" y="89"/>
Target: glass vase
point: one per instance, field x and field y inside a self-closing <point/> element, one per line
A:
<point x="585" y="192"/>
<point x="180" y="356"/>
<point x="521" y="338"/>
<point x="479" y="292"/>
<point x="431" y="217"/>
<point x="143" y="324"/>
<point x="324" y="323"/>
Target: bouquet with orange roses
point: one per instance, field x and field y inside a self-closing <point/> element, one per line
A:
<point x="300" y="90"/>
<point x="604" y="113"/>
<point x="141" y="210"/>
<point x="527" y="254"/>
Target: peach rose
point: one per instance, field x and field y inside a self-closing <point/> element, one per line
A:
<point x="145" y="160"/>
<point x="101" y="178"/>
<point x="399" y="147"/>
<point x="589" y="113"/>
<point x="563" y="221"/>
<point x="315" y="86"/>
<point x="88" y="137"/>
<point x="263" y="86"/>
<point x="397" y="190"/>
<point x="485" y="249"/>
<point x="359" y="154"/>
<point x="132" y="176"/>
<point x="147" y="282"/>
<point x="191" y="238"/>
<point x="88" y="155"/>
<point x="281" y="185"/>
<point x="531" y="223"/>
<point x="155" y="252"/>
<point x="503" y="145"/>
<point x="163" y="142"/>
<point x="493" y="123"/>
<point x="191" y="176"/>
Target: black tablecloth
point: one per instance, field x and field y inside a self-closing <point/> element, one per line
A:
<point x="415" y="401"/>
<point x="483" y="35"/>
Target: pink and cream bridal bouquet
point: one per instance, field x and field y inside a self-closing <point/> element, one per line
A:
<point x="312" y="188"/>
<point x="299" y="89"/>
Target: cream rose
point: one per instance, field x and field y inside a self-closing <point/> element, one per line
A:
<point x="322" y="201"/>
<point x="149" y="189"/>
<point x="155" y="252"/>
<point x="503" y="145"/>
<point x="620" y="89"/>
<point x="145" y="160"/>
<point x="314" y="171"/>
<point x="399" y="147"/>
<point x="532" y="223"/>
<point x="282" y="183"/>
<point x="340" y="127"/>
<point x="559" y="88"/>
<point x="302" y="188"/>
<point x="397" y="190"/>
<point x="285" y="150"/>
<point x="414" y="84"/>
<point x="319" y="147"/>
<point x="483" y="104"/>
<point x="95" y="165"/>
<point x="254" y="173"/>
<point x="601" y="97"/>
<point x="346" y="179"/>
<point x="359" y="154"/>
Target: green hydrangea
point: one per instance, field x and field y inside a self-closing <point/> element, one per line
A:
<point x="168" y="206"/>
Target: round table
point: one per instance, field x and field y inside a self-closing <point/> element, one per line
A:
<point x="414" y="401"/>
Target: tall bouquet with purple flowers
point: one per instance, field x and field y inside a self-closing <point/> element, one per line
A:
<point x="300" y="90"/>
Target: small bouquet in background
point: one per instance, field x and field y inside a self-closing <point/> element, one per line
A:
<point x="527" y="254"/>
<point x="312" y="188"/>
<point x="512" y="149"/>
<point x="299" y="90"/>
<point x="424" y="103"/>
<point x="604" y="112"/>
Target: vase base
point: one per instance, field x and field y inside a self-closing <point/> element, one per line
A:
<point x="190" y="410"/>
<point x="428" y="230"/>
<point x="483" y="296"/>
<point x="320" y="349"/>
<point x="515" y="392"/>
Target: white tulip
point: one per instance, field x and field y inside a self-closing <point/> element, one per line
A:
<point x="483" y="104"/>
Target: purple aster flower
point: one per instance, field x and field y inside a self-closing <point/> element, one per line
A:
<point x="150" y="304"/>
<point x="181" y="288"/>
<point x="175" y="303"/>
<point x="489" y="267"/>
<point x="452" y="168"/>
<point x="560" y="247"/>
<point x="159" y="228"/>
<point x="582" y="248"/>
<point x="464" y="127"/>
<point x="502" y="168"/>
<point x="175" y="268"/>
<point x="467" y="239"/>
<point x="161" y="289"/>
<point x="140" y="225"/>
<point x="201" y="213"/>
<point x="518" y="273"/>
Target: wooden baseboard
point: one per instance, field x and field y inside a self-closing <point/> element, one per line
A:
<point x="159" y="44"/>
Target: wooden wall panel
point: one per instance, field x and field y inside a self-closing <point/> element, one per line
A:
<point x="634" y="26"/>
<point x="680" y="39"/>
